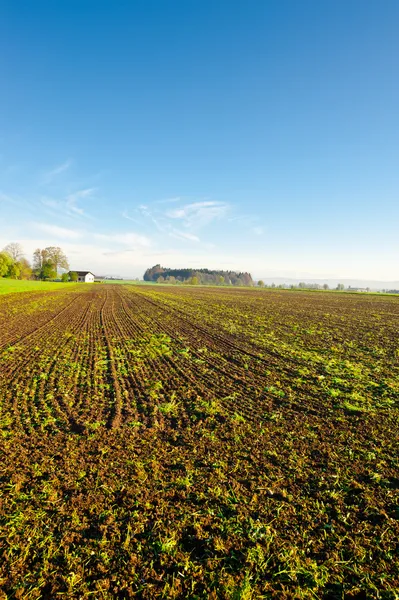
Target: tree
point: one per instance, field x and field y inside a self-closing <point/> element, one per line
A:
<point x="14" y="272"/>
<point x="39" y="258"/>
<point x="194" y="281"/>
<point x="24" y="268"/>
<point x="205" y="276"/>
<point x="65" y="277"/>
<point x="326" y="286"/>
<point x="73" y="276"/>
<point x="160" y="279"/>
<point x="47" y="271"/>
<point x="57" y="258"/>
<point x="5" y="263"/>
<point x="340" y="286"/>
<point x="261" y="283"/>
<point x="14" y="250"/>
<point x="246" y="279"/>
<point x="52" y="255"/>
<point x="151" y="274"/>
<point x="13" y="264"/>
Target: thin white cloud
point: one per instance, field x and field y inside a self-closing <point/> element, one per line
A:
<point x="125" y="239"/>
<point x="118" y="252"/>
<point x="55" y="204"/>
<point x="81" y="194"/>
<point x="181" y="235"/>
<point x="4" y="198"/>
<point x="68" y="206"/>
<point x="72" y="200"/>
<point x="158" y="221"/>
<point x="52" y="174"/>
<point x="8" y="199"/>
<point x="179" y="213"/>
<point x="199" y="214"/>
<point x="258" y="230"/>
<point x="168" y="200"/>
<point x="125" y="215"/>
<point x="180" y="223"/>
<point x="57" y="232"/>
<point x="164" y="225"/>
<point x="245" y="220"/>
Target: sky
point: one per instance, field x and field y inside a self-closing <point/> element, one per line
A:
<point x="251" y="135"/>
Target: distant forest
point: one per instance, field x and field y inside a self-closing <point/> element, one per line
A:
<point x="196" y="276"/>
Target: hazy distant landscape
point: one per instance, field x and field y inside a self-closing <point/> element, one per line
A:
<point x="332" y="283"/>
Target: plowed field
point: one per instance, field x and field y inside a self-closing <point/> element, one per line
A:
<point x="179" y="442"/>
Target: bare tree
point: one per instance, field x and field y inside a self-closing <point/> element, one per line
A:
<point x="39" y="258"/>
<point x="14" y="250"/>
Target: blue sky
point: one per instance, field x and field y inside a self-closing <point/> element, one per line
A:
<point x="250" y="135"/>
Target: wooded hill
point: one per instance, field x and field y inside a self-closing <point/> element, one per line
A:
<point x="197" y="276"/>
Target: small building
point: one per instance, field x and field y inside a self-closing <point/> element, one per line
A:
<point x="85" y="276"/>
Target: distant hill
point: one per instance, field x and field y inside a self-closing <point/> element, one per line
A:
<point x="204" y="276"/>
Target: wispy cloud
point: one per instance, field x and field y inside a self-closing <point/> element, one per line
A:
<point x="49" y="202"/>
<point x="125" y="239"/>
<point x="119" y="252"/>
<point x="181" y="222"/>
<point x="199" y="214"/>
<point x="181" y="235"/>
<point x="69" y="206"/>
<point x="125" y="215"/>
<point x="247" y="222"/>
<point x="50" y="175"/>
<point x="72" y="200"/>
<point x="157" y="220"/>
<point x="57" y="232"/>
<point x="6" y="198"/>
<point x="168" y="200"/>
<point x="163" y="223"/>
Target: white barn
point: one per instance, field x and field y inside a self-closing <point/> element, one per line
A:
<point x="85" y="276"/>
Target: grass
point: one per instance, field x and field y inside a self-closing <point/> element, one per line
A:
<point x="14" y="286"/>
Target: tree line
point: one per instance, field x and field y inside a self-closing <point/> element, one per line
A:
<point x="47" y="262"/>
<point x="302" y="285"/>
<point x="160" y="274"/>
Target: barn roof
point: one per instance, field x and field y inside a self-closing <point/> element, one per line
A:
<point x="83" y="273"/>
